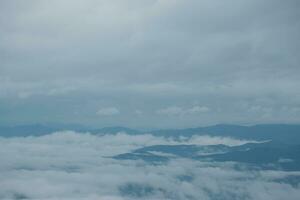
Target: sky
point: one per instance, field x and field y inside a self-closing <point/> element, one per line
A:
<point x="150" y="63"/>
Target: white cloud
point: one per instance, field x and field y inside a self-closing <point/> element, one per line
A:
<point x="198" y="109"/>
<point x="173" y="110"/>
<point x="176" y="110"/>
<point x="208" y="140"/>
<point x="69" y="165"/>
<point x="109" y="111"/>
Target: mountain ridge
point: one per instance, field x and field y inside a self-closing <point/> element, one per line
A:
<point x="289" y="133"/>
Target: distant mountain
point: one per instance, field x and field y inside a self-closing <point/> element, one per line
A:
<point x="44" y="129"/>
<point x="26" y="130"/>
<point x="276" y="132"/>
<point x="269" y="155"/>
<point x="114" y="130"/>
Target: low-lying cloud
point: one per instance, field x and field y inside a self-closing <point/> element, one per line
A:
<point x="69" y="165"/>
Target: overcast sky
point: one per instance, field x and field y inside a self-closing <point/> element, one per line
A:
<point x="149" y="63"/>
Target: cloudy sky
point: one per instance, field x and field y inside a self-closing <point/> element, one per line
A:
<point x="150" y="63"/>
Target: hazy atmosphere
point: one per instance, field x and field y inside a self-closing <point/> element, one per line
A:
<point x="150" y="63"/>
<point x="149" y="100"/>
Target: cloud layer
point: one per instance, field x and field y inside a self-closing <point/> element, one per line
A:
<point x="69" y="165"/>
<point x="63" y="60"/>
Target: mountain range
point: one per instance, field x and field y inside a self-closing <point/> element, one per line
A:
<point x="287" y="133"/>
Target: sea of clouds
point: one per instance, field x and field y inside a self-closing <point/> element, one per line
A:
<point x="69" y="165"/>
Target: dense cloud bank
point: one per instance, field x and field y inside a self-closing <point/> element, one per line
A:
<point x="70" y="165"/>
<point x="153" y="62"/>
